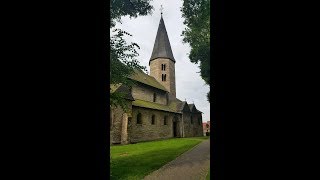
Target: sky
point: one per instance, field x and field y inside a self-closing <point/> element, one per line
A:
<point x="189" y="85"/>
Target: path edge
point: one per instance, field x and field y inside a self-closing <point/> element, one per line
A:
<point x="175" y="158"/>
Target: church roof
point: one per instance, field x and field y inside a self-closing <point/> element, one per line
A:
<point x="120" y="88"/>
<point x="114" y="87"/>
<point x="193" y="108"/>
<point x="184" y="106"/>
<point x="141" y="77"/>
<point x="162" y="47"/>
<point x="152" y="105"/>
<point x="175" y="105"/>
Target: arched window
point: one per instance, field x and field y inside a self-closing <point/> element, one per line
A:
<point x="154" y="97"/>
<point x="191" y="119"/>
<point x="153" y="119"/>
<point x="139" y="118"/>
<point x="164" y="77"/>
<point x="163" y="67"/>
<point x="165" y="120"/>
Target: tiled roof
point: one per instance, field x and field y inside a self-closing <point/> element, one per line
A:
<point x="114" y="87"/>
<point x="120" y="88"/>
<point x="191" y="106"/>
<point x="184" y="106"/>
<point x="194" y="109"/>
<point x="141" y="77"/>
<point x="175" y="105"/>
<point x="152" y="105"/>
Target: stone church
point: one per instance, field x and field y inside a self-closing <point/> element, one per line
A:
<point x="154" y="111"/>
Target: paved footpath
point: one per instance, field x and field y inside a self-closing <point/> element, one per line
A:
<point x="192" y="165"/>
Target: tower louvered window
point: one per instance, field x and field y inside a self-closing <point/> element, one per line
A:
<point x="163" y="67"/>
<point x="164" y="77"/>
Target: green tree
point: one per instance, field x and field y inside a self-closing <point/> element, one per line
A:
<point x="123" y="56"/>
<point x="197" y="34"/>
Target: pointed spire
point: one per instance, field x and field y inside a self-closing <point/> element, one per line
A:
<point x="162" y="47"/>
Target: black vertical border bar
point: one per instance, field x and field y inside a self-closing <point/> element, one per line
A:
<point x="102" y="91"/>
<point x="216" y="89"/>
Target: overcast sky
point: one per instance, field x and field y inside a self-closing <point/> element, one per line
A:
<point x="189" y="85"/>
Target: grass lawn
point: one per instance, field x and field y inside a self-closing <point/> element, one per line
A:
<point x="135" y="161"/>
<point x="208" y="175"/>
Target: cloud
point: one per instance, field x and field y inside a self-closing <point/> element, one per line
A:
<point x="189" y="84"/>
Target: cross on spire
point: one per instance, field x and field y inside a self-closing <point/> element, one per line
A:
<point x="161" y="9"/>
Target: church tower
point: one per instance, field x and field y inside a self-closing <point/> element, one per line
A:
<point x="162" y="62"/>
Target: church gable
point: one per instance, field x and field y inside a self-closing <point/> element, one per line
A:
<point x="193" y="108"/>
<point x="185" y="107"/>
<point x="122" y="89"/>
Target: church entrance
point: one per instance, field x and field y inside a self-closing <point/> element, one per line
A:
<point x="174" y="129"/>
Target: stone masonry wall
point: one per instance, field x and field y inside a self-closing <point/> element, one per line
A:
<point x="116" y="130"/>
<point x="124" y="131"/>
<point x="197" y="126"/>
<point x="146" y="93"/>
<point x="192" y="129"/>
<point x="156" y="72"/>
<point x="147" y="131"/>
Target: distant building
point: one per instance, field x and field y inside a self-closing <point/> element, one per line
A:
<point x="206" y="127"/>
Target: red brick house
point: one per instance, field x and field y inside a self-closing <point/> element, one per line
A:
<point x="206" y="127"/>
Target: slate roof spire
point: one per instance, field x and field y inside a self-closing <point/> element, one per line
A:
<point x="162" y="47"/>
